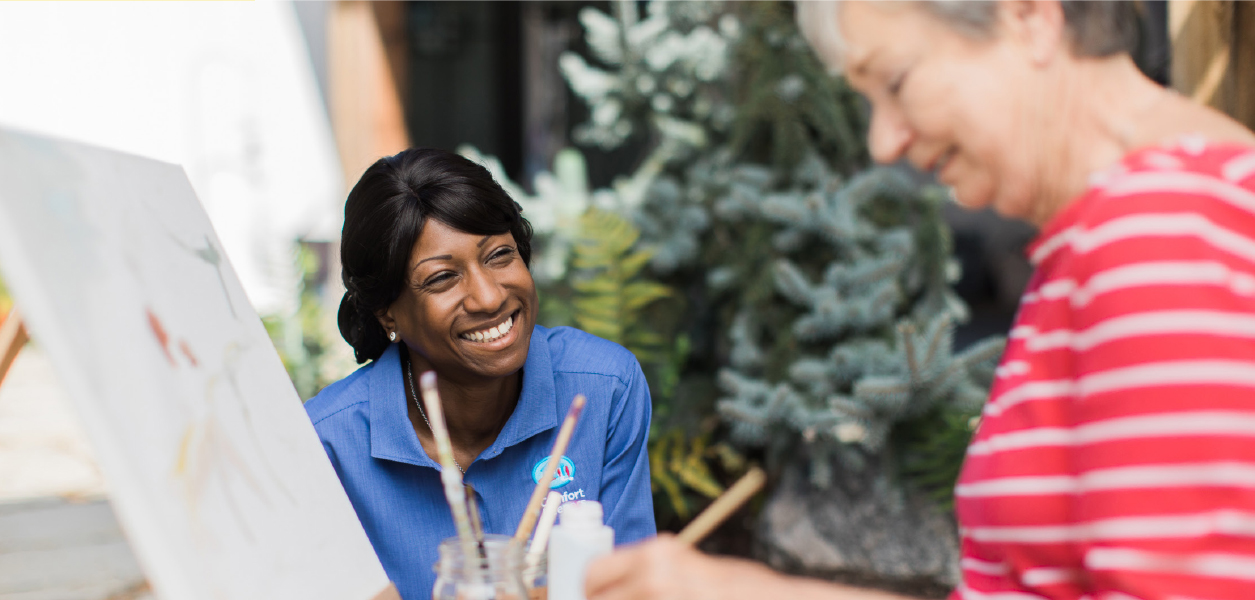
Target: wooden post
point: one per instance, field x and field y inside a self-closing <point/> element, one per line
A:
<point x="1213" y="54"/>
<point x="12" y="338"/>
<point x="366" y="114"/>
<point x="391" y="20"/>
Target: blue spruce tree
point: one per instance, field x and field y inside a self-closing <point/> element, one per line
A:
<point x="820" y="285"/>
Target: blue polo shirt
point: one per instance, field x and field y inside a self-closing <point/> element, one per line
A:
<point x="395" y="487"/>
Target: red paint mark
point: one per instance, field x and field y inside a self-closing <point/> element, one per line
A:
<point x="162" y="337"/>
<point x="187" y="351"/>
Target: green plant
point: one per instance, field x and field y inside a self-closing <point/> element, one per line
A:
<point x="680" y="466"/>
<point x="932" y="448"/>
<point x="610" y="295"/>
<point x="306" y="338"/>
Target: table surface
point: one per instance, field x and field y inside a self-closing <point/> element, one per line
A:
<point x="56" y="549"/>
<point x="59" y="539"/>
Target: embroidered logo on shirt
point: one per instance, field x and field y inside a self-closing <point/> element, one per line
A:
<point x="564" y="475"/>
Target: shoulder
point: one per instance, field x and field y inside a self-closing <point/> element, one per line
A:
<point x="340" y="397"/>
<point x="1188" y="177"/>
<point x="601" y="369"/>
<point x="1181" y="198"/>
<point x="575" y="351"/>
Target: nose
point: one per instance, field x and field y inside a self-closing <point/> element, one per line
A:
<point x="484" y="293"/>
<point x="889" y="135"/>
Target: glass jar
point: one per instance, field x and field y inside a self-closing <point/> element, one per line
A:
<point x="498" y="576"/>
<point x="536" y="578"/>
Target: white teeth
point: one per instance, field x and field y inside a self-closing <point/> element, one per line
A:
<point x="492" y="333"/>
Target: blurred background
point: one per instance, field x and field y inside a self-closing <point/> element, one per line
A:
<point x="700" y="192"/>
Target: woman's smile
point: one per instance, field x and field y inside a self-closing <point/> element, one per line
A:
<point x="493" y="336"/>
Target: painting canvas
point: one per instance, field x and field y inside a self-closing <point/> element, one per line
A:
<point x="215" y="472"/>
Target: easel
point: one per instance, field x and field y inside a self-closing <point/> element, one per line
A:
<point x="12" y="337"/>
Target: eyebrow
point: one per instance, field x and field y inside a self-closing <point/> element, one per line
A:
<point x="441" y="257"/>
<point x="483" y="241"/>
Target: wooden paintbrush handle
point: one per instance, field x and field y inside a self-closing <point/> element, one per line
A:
<point x="450" y="474"/>
<point x="542" y="487"/>
<point x="723" y="506"/>
<point x="12" y="338"/>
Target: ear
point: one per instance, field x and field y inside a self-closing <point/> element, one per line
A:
<point x="386" y="319"/>
<point x="1037" y="25"/>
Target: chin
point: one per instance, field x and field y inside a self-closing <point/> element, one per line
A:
<point x="970" y="199"/>
<point x="1013" y="206"/>
<point x="511" y="359"/>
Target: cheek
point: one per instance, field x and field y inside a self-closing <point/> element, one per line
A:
<point x="430" y="315"/>
<point x="939" y="105"/>
<point x="929" y="120"/>
<point x="979" y="108"/>
<point x="531" y="301"/>
<point x="519" y="279"/>
<point x="987" y="170"/>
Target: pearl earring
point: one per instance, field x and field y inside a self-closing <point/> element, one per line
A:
<point x="392" y="336"/>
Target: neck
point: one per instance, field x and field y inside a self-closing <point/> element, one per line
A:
<point x="1095" y="115"/>
<point x="475" y="409"/>
<point x="1100" y="110"/>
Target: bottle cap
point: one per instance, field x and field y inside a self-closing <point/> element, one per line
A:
<point x="582" y="513"/>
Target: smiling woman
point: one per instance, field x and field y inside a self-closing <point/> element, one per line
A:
<point x="435" y="258"/>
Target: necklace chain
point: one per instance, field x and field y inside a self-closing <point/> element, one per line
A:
<point x="409" y="378"/>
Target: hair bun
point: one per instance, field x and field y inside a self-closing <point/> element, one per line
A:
<point x="361" y="330"/>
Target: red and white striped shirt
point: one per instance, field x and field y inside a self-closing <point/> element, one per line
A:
<point x="1116" y="456"/>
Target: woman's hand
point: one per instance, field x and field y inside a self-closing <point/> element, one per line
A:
<point x="666" y="569"/>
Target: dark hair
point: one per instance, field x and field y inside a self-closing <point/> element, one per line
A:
<point x="383" y="217"/>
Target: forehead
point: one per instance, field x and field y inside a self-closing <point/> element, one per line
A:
<point x="871" y="30"/>
<point x="438" y="237"/>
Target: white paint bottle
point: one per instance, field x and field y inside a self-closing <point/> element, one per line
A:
<point x="578" y="538"/>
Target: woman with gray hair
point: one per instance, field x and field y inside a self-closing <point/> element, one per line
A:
<point x="1116" y="455"/>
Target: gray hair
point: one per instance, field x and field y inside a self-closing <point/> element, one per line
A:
<point x="1095" y="28"/>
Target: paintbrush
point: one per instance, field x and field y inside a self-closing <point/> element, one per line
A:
<point x="542" y="486"/>
<point x="727" y="503"/>
<point x="477" y="525"/>
<point x="547" y="516"/>
<point x="450" y="474"/>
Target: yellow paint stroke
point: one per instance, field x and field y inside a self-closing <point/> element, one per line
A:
<point x="185" y="444"/>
